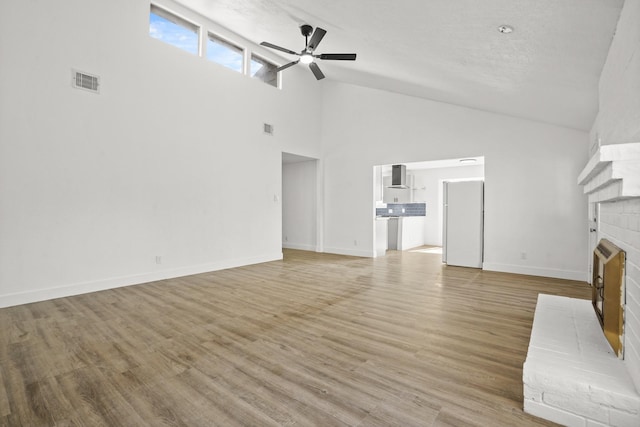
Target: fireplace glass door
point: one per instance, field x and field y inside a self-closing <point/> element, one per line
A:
<point x="608" y="293"/>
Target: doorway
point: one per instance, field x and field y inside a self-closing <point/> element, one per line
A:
<point x="426" y="179"/>
<point x="299" y="202"/>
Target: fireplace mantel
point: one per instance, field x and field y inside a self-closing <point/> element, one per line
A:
<point x="612" y="173"/>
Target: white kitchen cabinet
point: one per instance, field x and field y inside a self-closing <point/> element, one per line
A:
<point x="381" y="236"/>
<point x="377" y="186"/>
<point x="397" y="195"/>
<point x="412" y="234"/>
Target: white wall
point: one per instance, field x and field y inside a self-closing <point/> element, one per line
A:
<point x="299" y="207"/>
<point x="168" y="160"/>
<point x="618" y="118"/>
<point x="619" y="122"/>
<point x="532" y="201"/>
<point x="428" y="189"/>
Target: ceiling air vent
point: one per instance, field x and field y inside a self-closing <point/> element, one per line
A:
<point x="85" y="81"/>
<point x="267" y="128"/>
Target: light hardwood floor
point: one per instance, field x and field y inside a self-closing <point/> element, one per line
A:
<point x="316" y="339"/>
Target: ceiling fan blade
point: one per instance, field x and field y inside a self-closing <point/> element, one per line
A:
<point x="282" y="49"/>
<point x="285" y="66"/>
<point x="316" y="71"/>
<point x="338" y="56"/>
<point x="317" y="36"/>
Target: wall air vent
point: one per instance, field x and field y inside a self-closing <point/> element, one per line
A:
<point x="267" y="128"/>
<point x="81" y="80"/>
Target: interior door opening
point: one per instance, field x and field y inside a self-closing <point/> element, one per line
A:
<point x="299" y="202"/>
<point x="423" y="189"/>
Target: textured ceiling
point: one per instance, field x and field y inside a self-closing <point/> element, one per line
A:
<point x="449" y="50"/>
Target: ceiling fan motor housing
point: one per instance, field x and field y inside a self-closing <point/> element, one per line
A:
<point x="306" y="30"/>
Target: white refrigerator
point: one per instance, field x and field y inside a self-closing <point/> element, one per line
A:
<point x="463" y="223"/>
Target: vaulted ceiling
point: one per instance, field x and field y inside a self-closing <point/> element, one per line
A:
<point x="547" y="69"/>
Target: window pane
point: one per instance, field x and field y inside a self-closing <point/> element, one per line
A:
<point x="264" y="70"/>
<point x="173" y="30"/>
<point x="224" y="53"/>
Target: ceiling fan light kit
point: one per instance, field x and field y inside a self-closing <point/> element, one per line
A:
<point x="307" y="54"/>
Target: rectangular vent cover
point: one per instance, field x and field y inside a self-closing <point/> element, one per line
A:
<point x="268" y="129"/>
<point x="85" y="81"/>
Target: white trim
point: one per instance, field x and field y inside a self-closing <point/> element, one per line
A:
<point x="299" y="246"/>
<point x="350" y="252"/>
<point x="536" y="271"/>
<point x="19" y="298"/>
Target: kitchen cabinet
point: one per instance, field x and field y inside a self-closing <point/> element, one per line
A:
<point x="412" y="234"/>
<point x="377" y="183"/>
<point x="381" y="236"/>
<point x="397" y="195"/>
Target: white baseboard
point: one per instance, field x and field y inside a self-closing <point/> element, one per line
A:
<point x="350" y="252"/>
<point x="537" y="271"/>
<point x="299" y="246"/>
<point x="27" y="297"/>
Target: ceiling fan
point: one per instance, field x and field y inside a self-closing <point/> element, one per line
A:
<point x="306" y="55"/>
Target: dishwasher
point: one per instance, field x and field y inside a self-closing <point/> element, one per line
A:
<point x="394" y="232"/>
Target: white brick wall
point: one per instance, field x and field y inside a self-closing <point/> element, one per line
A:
<point x="620" y="223"/>
<point x="617" y="124"/>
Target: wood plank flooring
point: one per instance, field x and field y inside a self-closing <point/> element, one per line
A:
<point x="315" y="339"/>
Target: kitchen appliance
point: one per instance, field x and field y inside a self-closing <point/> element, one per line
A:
<point x="398" y="176"/>
<point x="393" y="233"/>
<point x="463" y="223"/>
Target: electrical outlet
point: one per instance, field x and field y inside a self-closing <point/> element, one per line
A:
<point x="286" y="238"/>
<point x="355" y="243"/>
<point x="523" y="255"/>
<point x="158" y="259"/>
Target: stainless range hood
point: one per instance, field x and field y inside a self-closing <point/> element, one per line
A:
<point x="398" y="176"/>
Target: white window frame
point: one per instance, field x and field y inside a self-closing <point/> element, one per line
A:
<point x="262" y="58"/>
<point x="179" y="20"/>
<point x="227" y="41"/>
<point x="203" y="34"/>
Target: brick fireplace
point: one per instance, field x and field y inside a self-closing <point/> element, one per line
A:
<point x="572" y="374"/>
<point x="611" y="181"/>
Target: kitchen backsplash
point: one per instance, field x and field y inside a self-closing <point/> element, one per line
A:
<point x="410" y="209"/>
